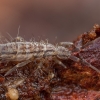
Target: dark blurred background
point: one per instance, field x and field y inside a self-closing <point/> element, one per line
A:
<point x="57" y="20"/>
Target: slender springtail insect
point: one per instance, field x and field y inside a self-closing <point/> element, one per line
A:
<point x="26" y="52"/>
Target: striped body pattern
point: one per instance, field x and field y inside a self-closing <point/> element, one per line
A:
<point x="19" y="51"/>
<point x="26" y="52"/>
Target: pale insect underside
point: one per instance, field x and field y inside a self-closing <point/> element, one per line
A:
<point x="44" y="50"/>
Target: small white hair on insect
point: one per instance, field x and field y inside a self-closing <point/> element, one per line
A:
<point x="11" y="38"/>
<point x="25" y="52"/>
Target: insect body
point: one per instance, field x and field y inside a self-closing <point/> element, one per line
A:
<point x="20" y="50"/>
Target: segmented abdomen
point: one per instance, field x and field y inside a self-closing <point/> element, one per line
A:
<point x="17" y="51"/>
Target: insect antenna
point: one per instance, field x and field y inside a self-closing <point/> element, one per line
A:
<point x="91" y="42"/>
<point x="88" y="64"/>
<point x="83" y="60"/>
<point x="74" y="58"/>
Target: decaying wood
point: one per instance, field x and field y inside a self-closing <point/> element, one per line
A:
<point x="50" y="81"/>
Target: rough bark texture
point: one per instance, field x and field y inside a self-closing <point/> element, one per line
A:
<point x="52" y="81"/>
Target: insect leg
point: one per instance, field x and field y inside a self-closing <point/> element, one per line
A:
<point x="60" y="63"/>
<point x="17" y="66"/>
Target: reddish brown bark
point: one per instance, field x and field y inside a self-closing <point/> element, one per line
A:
<point x="52" y="81"/>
